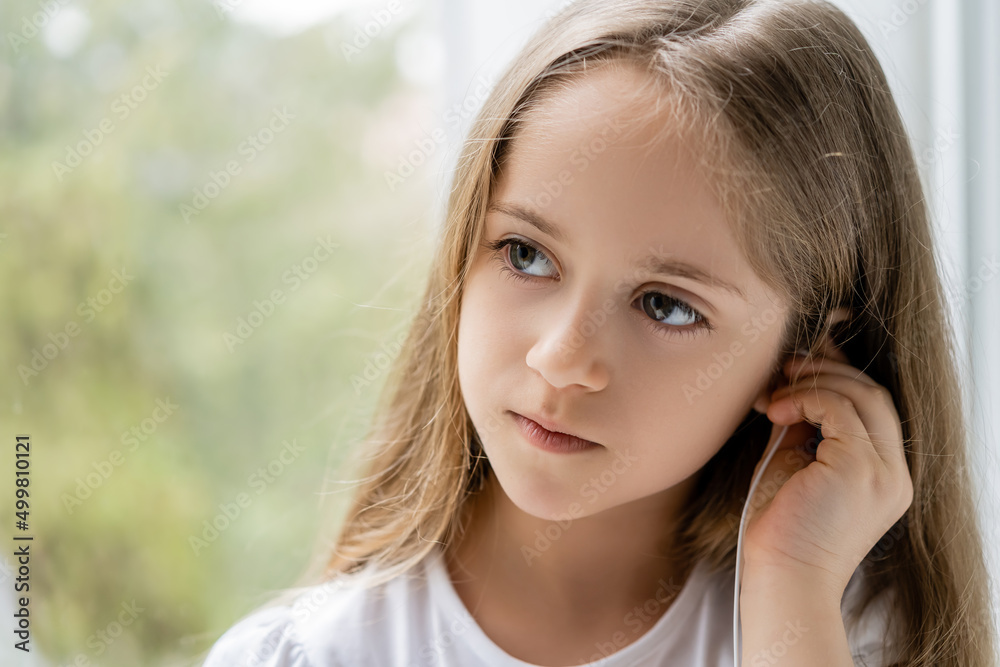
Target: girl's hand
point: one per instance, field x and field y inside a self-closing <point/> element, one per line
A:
<point x="819" y="509"/>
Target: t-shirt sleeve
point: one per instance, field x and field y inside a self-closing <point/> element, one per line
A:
<point x="871" y="643"/>
<point x="266" y="638"/>
<point x="870" y="655"/>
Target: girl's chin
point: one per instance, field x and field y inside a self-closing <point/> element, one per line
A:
<point x="537" y="499"/>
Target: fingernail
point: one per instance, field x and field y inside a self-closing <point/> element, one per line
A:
<point x="782" y="411"/>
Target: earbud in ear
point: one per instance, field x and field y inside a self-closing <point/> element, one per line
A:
<point x="829" y="350"/>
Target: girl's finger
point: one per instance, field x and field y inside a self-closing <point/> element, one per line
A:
<point x="851" y="409"/>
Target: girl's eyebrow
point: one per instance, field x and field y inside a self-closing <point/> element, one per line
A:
<point x="654" y="264"/>
<point x="675" y="267"/>
<point x="529" y="216"/>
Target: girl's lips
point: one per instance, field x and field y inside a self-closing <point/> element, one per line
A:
<point x="551" y="441"/>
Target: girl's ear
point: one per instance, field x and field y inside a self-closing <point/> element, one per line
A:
<point x="829" y="350"/>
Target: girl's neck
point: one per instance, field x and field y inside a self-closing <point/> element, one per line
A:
<point x="589" y="573"/>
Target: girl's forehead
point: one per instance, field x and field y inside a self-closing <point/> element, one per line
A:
<point x="616" y="92"/>
<point x="612" y="117"/>
<point x="593" y="178"/>
<point x="611" y="160"/>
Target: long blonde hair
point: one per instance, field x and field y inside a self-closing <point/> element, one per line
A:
<point x="814" y="167"/>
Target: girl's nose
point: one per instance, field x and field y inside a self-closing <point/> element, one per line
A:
<point x="568" y="350"/>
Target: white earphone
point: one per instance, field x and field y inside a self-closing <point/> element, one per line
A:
<point x="739" y="547"/>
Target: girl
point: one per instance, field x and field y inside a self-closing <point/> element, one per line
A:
<point x="660" y="202"/>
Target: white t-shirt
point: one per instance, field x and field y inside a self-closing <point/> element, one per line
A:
<point x="418" y="620"/>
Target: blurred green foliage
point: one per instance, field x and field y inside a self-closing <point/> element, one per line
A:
<point x="64" y="234"/>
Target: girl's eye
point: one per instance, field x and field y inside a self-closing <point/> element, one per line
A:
<point x="519" y="256"/>
<point x="678" y="316"/>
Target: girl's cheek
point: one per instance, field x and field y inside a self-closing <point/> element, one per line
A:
<point x="688" y="375"/>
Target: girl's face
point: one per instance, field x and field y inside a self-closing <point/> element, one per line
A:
<point x="620" y="310"/>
